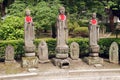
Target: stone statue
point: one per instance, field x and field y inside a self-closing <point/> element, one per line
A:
<point x="74" y="50"/>
<point x="43" y="51"/>
<point x="93" y="30"/>
<point x="29" y="32"/>
<point x="93" y="36"/>
<point x="30" y="60"/>
<point x="9" y="53"/>
<point x="114" y="53"/>
<point x="62" y="30"/>
<point x="94" y="48"/>
<point x="62" y="48"/>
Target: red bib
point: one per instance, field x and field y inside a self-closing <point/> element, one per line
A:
<point x="94" y="21"/>
<point x="28" y="19"/>
<point x="62" y="17"/>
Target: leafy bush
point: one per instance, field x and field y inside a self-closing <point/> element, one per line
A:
<point x="81" y="31"/>
<point x="83" y="43"/>
<point x="45" y="14"/>
<point x="18" y="47"/>
<point x="12" y="28"/>
<point x="72" y="26"/>
<point x="17" y="9"/>
<point x="105" y="45"/>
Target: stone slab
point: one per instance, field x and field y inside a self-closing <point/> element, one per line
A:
<point x="44" y="61"/>
<point x="33" y="70"/>
<point x="10" y="62"/>
<point x="93" y="60"/>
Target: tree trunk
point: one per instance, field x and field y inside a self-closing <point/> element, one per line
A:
<point x="111" y="19"/>
<point x="3" y="5"/>
<point x="2" y="9"/>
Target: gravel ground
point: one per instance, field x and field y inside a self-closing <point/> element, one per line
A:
<point x="78" y="71"/>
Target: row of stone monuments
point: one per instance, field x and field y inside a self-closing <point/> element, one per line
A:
<point x="43" y="54"/>
<point x="62" y="49"/>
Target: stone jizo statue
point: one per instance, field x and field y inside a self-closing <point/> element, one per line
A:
<point x="29" y="32"/>
<point x="43" y="50"/>
<point x="62" y="30"/>
<point x="93" y="31"/>
<point x="74" y="50"/>
<point x="9" y="53"/>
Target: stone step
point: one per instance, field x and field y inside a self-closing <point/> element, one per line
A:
<point x="92" y="74"/>
<point x="68" y="78"/>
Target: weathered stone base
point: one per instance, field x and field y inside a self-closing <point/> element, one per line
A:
<point x="62" y="49"/>
<point x="30" y="48"/>
<point x="29" y="54"/>
<point x="75" y="60"/>
<point x="61" y="56"/>
<point x="93" y="60"/>
<point x="10" y="62"/>
<point x="29" y="62"/>
<point x="62" y="63"/>
<point x="44" y="61"/>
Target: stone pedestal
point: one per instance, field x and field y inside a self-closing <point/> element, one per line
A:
<point x="94" y="56"/>
<point x="61" y="59"/>
<point x="62" y="63"/>
<point x="29" y="62"/>
<point x="93" y="60"/>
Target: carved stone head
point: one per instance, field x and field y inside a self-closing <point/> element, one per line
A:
<point x="62" y="10"/>
<point x="27" y="12"/>
<point x="94" y="15"/>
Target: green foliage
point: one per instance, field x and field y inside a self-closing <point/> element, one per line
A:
<point x="17" y="9"/>
<point x="45" y="14"/>
<point x="18" y="47"/>
<point x="72" y="26"/>
<point x="81" y="31"/>
<point x="105" y="44"/>
<point x="12" y="28"/>
<point x="76" y="30"/>
<point x="83" y="45"/>
<point x="1" y="1"/>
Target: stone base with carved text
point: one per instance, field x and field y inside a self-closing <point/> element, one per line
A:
<point x="30" y="62"/>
